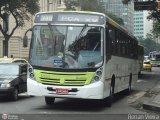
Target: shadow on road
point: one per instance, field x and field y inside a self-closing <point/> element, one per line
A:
<point x="80" y="104"/>
<point x="20" y="98"/>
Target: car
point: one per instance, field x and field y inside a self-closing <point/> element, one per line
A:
<point x="13" y="60"/>
<point x="147" y="65"/>
<point x="146" y="58"/>
<point x="13" y="79"/>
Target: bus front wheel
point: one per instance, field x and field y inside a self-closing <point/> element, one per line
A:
<point x="49" y="100"/>
<point x="129" y="89"/>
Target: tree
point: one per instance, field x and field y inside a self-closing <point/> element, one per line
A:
<point x="21" y="11"/>
<point x="156" y="29"/>
<point x="149" y="44"/>
<point x="85" y="5"/>
<point x="125" y="1"/>
<point x="95" y="5"/>
<point x="71" y="4"/>
<point x="116" y="18"/>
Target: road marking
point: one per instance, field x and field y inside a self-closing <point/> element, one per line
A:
<point x="23" y="93"/>
<point x="141" y="81"/>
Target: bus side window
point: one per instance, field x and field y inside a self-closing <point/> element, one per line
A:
<point x="111" y="38"/>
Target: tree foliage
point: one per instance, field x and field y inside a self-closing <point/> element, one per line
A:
<point x="95" y="5"/>
<point x="125" y="1"/>
<point x="71" y="4"/>
<point x="149" y="44"/>
<point x="116" y="18"/>
<point x="156" y="29"/>
<point x="20" y="10"/>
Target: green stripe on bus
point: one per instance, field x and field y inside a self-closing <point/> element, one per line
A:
<point x="64" y="78"/>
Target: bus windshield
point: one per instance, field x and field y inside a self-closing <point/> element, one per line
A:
<point x="67" y="46"/>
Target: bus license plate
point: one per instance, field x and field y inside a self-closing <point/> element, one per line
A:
<point x="61" y="91"/>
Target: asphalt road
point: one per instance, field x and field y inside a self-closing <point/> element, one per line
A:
<point x="35" y="108"/>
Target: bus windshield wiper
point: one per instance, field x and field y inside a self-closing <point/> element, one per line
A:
<point x="82" y="31"/>
<point x="80" y="34"/>
<point x="51" y="31"/>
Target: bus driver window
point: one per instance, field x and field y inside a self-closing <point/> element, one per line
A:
<point x="91" y="55"/>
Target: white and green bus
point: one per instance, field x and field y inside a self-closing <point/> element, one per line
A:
<point x="154" y="58"/>
<point x="82" y="55"/>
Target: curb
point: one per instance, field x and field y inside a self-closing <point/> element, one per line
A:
<point x="153" y="103"/>
<point x="151" y="106"/>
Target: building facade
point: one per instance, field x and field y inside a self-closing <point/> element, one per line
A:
<point x="142" y="26"/>
<point x="126" y="12"/>
<point x="138" y="24"/>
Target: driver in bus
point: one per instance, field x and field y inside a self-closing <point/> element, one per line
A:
<point x="88" y="56"/>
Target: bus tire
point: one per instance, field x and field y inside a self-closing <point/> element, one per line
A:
<point x="49" y="100"/>
<point x="129" y="89"/>
<point x="111" y="96"/>
<point x="14" y="96"/>
<point x="109" y="100"/>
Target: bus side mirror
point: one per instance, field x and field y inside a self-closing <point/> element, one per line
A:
<point x="25" y="38"/>
<point x="25" y="41"/>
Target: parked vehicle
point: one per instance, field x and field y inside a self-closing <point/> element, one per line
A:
<point x="13" y="79"/>
<point x="13" y="60"/>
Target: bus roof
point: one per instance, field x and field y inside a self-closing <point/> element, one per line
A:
<point x="85" y="12"/>
<point x="108" y="19"/>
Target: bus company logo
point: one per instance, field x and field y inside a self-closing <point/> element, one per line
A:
<point x="4" y="116"/>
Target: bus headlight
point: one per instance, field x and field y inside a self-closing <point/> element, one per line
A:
<point x="30" y="72"/>
<point x="31" y="75"/>
<point x="30" y="69"/>
<point x="96" y="78"/>
<point x="98" y="75"/>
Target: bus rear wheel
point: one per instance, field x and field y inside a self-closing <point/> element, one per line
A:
<point x="110" y="98"/>
<point x="108" y="101"/>
<point x="129" y="89"/>
<point x="49" y="100"/>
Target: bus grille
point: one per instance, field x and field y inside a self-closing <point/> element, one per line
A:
<point x="64" y="79"/>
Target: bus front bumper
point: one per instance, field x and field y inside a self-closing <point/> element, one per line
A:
<point x="91" y="91"/>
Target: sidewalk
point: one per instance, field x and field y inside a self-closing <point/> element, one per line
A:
<point x="148" y="101"/>
<point x="153" y="103"/>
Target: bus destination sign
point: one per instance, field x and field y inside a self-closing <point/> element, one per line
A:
<point x="78" y="18"/>
<point x="46" y="17"/>
<point x="69" y="18"/>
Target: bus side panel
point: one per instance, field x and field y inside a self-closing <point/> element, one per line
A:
<point x="121" y="68"/>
